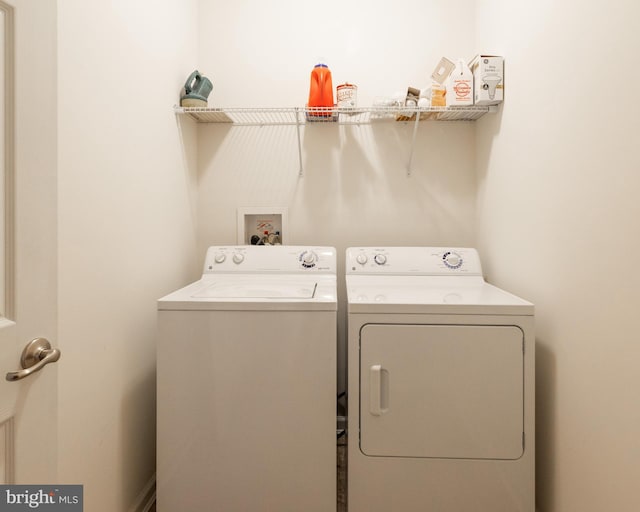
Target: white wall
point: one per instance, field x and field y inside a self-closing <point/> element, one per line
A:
<point x="127" y="230"/>
<point x="555" y="208"/>
<point x="355" y="189"/>
<point x="261" y="54"/>
<point x="558" y="213"/>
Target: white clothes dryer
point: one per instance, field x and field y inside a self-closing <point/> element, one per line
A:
<point x="246" y="384"/>
<point x="441" y="385"/>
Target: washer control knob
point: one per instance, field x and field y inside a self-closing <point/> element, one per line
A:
<point x="220" y="257"/>
<point x="308" y="259"/>
<point x="452" y="260"/>
<point x="238" y="258"/>
<point x="380" y="259"/>
<point x="362" y="258"/>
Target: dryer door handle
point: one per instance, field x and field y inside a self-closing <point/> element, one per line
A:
<point x="378" y="390"/>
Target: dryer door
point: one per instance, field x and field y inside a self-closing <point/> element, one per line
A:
<point x="445" y="391"/>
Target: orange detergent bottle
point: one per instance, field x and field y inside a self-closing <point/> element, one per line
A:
<point x="320" y="92"/>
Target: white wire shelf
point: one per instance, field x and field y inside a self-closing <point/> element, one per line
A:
<point x="300" y="116"/>
<point x="313" y="115"/>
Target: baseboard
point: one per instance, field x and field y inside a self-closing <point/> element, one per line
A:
<point x="146" y="498"/>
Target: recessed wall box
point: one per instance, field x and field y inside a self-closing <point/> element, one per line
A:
<point x="262" y="226"/>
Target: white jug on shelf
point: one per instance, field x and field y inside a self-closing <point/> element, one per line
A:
<point x="460" y="86"/>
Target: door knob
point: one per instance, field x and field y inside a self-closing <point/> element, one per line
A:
<point x="35" y="356"/>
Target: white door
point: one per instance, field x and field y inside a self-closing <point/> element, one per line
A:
<point x="28" y="405"/>
<point x="446" y="391"/>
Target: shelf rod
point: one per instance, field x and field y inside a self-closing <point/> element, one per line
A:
<point x="299" y="142"/>
<point x="413" y="142"/>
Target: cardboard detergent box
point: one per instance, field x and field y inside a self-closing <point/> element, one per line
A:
<point x="488" y="79"/>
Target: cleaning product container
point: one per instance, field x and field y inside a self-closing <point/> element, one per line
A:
<point x="347" y="95"/>
<point x="460" y="86"/>
<point x="320" y="92"/>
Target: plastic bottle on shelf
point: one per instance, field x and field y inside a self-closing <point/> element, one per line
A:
<point x="460" y="86"/>
<point x="320" y="91"/>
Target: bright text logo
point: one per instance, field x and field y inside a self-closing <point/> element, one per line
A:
<point x="60" y="498"/>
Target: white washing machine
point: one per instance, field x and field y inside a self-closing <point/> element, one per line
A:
<point x="441" y="385"/>
<point x="246" y="384"/>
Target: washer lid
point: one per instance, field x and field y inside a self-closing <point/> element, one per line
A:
<point x="262" y="288"/>
<point x="253" y="292"/>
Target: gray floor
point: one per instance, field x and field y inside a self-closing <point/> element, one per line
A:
<point x="342" y="474"/>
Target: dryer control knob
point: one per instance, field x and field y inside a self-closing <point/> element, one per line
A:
<point x="362" y="258"/>
<point x="452" y="260"/>
<point x="380" y="259"/>
<point x="220" y="257"/>
<point x="238" y="258"/>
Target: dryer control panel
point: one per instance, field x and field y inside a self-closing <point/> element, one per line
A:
<point x="266" y="259"/>
<point x="429" y="261"/>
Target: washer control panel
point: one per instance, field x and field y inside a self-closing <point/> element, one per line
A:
<point x="413" y="261"/>
<point x="266" y="259"/>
